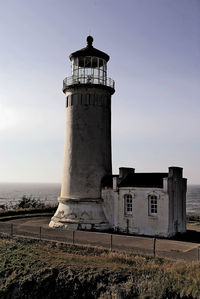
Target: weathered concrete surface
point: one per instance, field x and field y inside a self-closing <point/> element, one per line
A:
<point x="87" y="155"/>
<point x="177" y="187"/>
<point x="80" y="214"/>
<point x="170" y="218"/>
<point x="87" y="159"/>
<point x="139" y="222"/>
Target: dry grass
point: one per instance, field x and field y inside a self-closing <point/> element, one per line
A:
<point x="21" y="260"/>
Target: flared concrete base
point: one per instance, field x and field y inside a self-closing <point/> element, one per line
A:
<point x="74" y="214"/>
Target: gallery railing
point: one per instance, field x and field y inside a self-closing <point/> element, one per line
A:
<point x="89" y="79"/>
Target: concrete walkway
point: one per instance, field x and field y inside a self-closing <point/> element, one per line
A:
<point x="168" y="248"/>
<point x="32" y="221"/>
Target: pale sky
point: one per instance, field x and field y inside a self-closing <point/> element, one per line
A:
<point x="154" y="48"/>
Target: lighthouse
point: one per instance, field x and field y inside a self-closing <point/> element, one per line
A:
<point x="87" y="150"/>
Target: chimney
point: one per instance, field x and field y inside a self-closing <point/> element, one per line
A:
<point x="124" y="171"/>
<point x="176" y="172"/>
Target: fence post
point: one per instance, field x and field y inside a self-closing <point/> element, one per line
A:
<point x="73" y="237"/>
<point x="111" y="242"/>
<point x="11" y="229"/>
<point x="40" y="233"/>
<point x="154" y="247"/>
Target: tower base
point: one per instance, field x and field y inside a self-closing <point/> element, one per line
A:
<point x="83" y="214"/>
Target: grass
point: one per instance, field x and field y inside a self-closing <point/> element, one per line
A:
<point x="23" y="261"/>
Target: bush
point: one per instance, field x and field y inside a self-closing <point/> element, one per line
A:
<point x="191" y="217"/>
<point x="29" y="202"/>
<point x="3" y="207"/>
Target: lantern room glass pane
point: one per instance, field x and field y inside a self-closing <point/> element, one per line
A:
<point x="89" y="69"/>
<point x="76" y="63"/>
<point x="88" y="62"/>
<point x="95" y="62"/>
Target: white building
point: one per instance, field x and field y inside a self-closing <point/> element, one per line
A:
<point x="146" y="203"/>
<point x="91" y="197"/>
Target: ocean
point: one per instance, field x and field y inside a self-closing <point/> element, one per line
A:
<point x="11" y="193"/>
<point x="193" y="199"/>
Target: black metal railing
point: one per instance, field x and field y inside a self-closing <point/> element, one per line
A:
<point x="89" y="79"/>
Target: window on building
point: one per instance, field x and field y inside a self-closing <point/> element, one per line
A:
<point x="153" y="205"/>
<point x="128" y="204"/>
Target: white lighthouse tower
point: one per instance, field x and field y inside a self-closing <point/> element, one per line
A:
<point x="87" y="155"/>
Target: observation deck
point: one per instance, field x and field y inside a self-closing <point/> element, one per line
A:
<point x="89" y="80"/>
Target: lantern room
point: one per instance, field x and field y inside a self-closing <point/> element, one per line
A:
<point x="89" y="66"/>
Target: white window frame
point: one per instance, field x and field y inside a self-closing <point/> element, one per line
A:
<point x="128" y="204"/>
<point x="153" y="205"/>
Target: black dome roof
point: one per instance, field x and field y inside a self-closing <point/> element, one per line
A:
<point x="89" y="50"/>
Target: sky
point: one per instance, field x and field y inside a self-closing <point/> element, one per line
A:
<point x="154" y="48"/>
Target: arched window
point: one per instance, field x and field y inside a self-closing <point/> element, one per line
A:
<point x="153" y="205"/>
<point x="128" y="204"/>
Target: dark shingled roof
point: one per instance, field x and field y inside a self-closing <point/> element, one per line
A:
<point x="89" y="50"/>
<point x="143" y="180"/>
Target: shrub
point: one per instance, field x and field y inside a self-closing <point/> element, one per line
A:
<point x="3" y="207"/>
<point x="29" y="202"/>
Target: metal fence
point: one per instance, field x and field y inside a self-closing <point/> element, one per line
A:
<point x="68" y="81"/>
<point x="131" y="244"/>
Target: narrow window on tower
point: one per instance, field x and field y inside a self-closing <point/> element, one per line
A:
<point x="128" y="204"/>
<point x="67" y="102"/>
<point x="153" y="205"/>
